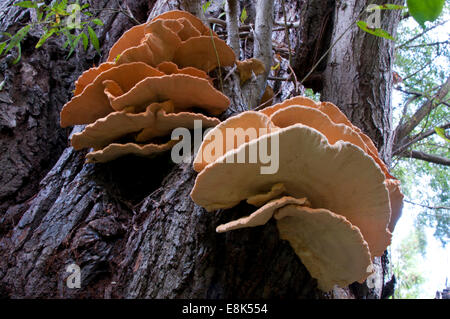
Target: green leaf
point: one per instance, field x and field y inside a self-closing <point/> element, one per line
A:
<point x="23" y="32"/>
<point x="97" y="22"/>
<point x="275" y="67"/>
<point x="205" y="6"/>
<point x="62" y="5"/>
<point x="425" y="10"/>
<point x="441" y="132"/>
<point x="68" y="36"/>
<point x="117" y="58"/>
<point x="49" y="15"/>
<point x="243" y="15"/>
<point x="386" y="6"/>
<point x="2" y="46"/>
<point x="374" y="31"/>
<point x="94" y="39"/>
<point x="85" y="40"/>
<point x="17" y="38"/>
<point x="39" y="14"/>
<point x="26" y="4"/>
<point x="46" y="35"/>
<point x="75" y="43"/>
<point x="19" y="54"/>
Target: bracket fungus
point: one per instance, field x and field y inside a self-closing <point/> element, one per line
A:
<point x="332" y="197"/>
<point x="154" y="80"/>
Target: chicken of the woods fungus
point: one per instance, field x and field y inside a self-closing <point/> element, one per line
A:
<point x="155" y="79"/>
<point x="332" y="196"/>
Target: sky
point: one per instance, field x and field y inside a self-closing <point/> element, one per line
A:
<point x="435" y="265"/>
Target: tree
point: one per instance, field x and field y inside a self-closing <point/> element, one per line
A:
<point x="130" y="224"/>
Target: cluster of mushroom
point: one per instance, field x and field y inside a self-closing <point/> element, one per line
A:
<point x="332" y="197"/>
<point x="155" y="79"/>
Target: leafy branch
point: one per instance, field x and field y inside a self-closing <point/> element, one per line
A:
<point x="58" y="18"/>
<point x="420" y="10"/>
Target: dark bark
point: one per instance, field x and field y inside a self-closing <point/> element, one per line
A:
<point x="130" y="224"/>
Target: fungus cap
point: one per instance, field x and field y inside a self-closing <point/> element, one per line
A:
<point x="298" y="100"/>
<point x="331" y="248"/>
<point x="247" y="123"/>
<point x="115" y="125"/>
<point x="171" y="68"/>
<point x="178" y="14"/>
<point x="183" y="90"/>
<point x="93" y="104"/>
<point x="248" y="67"/>
<point x="318" y="120"/>
<point x="165" y="122"/>
<point x="90" y="75"/>
<point x="162" y="41"/>
<point x="396" y="198"/>
<point x="115" y="150"/>
<point x="336" y="115"/>
<point x="339" y="177"/>
<point x="260" y="199"/>
<point x="188" y="31"/>
<point x="262" y="215"/>
<point x="130" y="38"/>
<point x="203" y="54"/>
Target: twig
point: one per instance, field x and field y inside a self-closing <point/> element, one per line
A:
<point x="420" y="34"/>
<point x="277" y="78"/>
<point x="262" y="50"/>
<point x="232" y="25"/>
<point x="427" y="44"/>
<point x="287" y="24"/>
<point x="436" y="159"/>
<point x="286" y="32"/>
<point x="426" y="206"/>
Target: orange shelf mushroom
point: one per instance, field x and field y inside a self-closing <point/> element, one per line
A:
<point x="332" y="196"/>
<point x="153" y="80"/>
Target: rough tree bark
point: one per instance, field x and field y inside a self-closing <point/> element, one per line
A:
<point x="130" y="224"/>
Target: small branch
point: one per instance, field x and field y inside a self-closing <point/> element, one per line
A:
<point x="232" y="24"/>
<point x="427" y="44"/>
<point x="421" y="34"/>
<point x="287" y="24"/>
<point x="405" y="109"/>
<point x="262" y="50"/>
<point x="426" y="206"/>
<point x="405" y="129"/>
<point x="277" y="78"/>
<point x="286" y="33"/>
<point x="417" y="138"/>
<point x="436" y="159"/>
<point x="420" y="70"/>
<point x="217" y="21"/>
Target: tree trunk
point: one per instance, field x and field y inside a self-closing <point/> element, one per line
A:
<point x="130" y="225"/>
